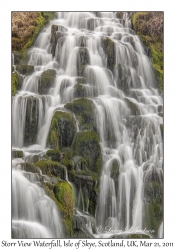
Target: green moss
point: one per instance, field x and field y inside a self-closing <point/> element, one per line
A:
<point x="25" y="69"/>
<point x="67" y="163"/>
<point x="54" y="154"/>
<point x="62" y="130"/>
<point x="87" y="145"/>
<point x="65" y="196"/>
<point x="51" y="168"/>
<point x="17" y="154"/>
<point x="83" y="109"/>
<point x="14" y="83"/>
<point x="46" y="81"/>
<point x="109" y="49"/>
<point x="153" y="205"/>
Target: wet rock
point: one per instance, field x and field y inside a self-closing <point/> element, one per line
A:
<point x="52" y="168"/>
<point x="153" y="200"/>
<point x="31" y="122"/>
<point x="17" y="80"/>
<point x="57" y="31"/>
<point x="25" y="69"/>
<point x="54" y="155"/>
<point x="17" y="153"/>
<point x="83" y="59"/>
<point x="83" y="109"/>
<point x="127" y="79"/>
<point x="30" y="167"/>
<point x="46" y="81"/>
<point x="62" y="130"/>
<point x="87" y="145"/>
<point x="132" y="106"/>
<point x="65" y="196"/>
<point x="109" y="49"/>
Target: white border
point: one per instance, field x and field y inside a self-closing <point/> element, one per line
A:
<point x="6" y="7"/>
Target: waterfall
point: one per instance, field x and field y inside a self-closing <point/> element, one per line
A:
<point x="99" y="57"/>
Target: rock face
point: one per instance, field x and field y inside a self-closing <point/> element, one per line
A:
<point x="83" y="109"/>
<point x="25" y="69"/>
<point x="57" y="31"/>
<point x="83" y="59"/>
<point x="87" y="145"/>
<point x="109" y="49"/>
<point x="153" y="200"/>
<point x="31" y="122"/>
<point x="62" y="130"/>
<point x="46" y="81"/>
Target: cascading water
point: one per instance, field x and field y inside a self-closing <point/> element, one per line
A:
<point x="101" y="48"/>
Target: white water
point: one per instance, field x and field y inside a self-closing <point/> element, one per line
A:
<point x="133" y="140"/>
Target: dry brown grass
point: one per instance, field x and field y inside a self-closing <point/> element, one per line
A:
<point x="23" y="25"/>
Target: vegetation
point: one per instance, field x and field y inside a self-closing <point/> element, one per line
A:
<point x="149" y="26"/>
<point x="26" y="26"/>
<point x="65" y="196"/>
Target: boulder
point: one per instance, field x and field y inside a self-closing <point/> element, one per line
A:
<point x="46" y="81"/>
<point x="52" y="168"/>
<point x="57" y="31"/>
<point x="25" y="69"/>
<point x="31" y="122"/>
<point x="17" y="153"/>
<point x="109" y="49"/>
<point x="83" y="109"/>
<point x="62" y="130"/>
<point x="86" y="144"/>
<point x="83" y="59"/>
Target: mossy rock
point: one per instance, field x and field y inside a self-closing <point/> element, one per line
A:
<point x="109" y="48"/>
<point x="62" y="130"/>
<point x="83" y="109"/>
<point x="87" y="145"/>
<point x="79" y="90"/>
<point x="17" y="153"/>
<point x="57" y="31"/>
<point x="17" y="81"/>
<point x="80" y="164"/>
<point x="55" y="155"/>
<point x="46" y="81"/>
<point x="30" y="167"/>
<point x="153" y="204"/>
<point x="65" y="196"/>
<point x="25" y="69"/>
<point x="83" y="59"/>
<point x="124" y="80"/>
<point x="115" y="169"/>
<point x="31" y="122"/>
<point x="52" y="168"/>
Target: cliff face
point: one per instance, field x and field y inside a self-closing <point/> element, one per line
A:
<point x="149" y="26"/>
<point x="25" y="27"/>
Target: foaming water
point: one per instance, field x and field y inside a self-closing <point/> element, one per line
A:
<point x="122" y="86"/>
